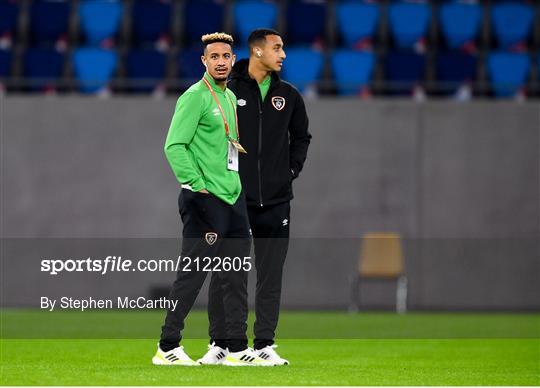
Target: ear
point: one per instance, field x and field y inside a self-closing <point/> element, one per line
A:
<point x="233" y="59"/>
<point x="257" y="51"/>
<point x="203" y="60"/>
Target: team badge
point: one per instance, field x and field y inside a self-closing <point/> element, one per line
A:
<point x="241" y="102"/>
<point x="278" y="102"/>
<point x="210" y="238"/>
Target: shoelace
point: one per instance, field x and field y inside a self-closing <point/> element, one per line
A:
<point x="213" y="345"/>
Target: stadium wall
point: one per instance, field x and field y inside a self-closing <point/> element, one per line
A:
<point x="460" y="182"/>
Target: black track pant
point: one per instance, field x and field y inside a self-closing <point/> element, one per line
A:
<point x="270" y="228"/>
<point x="202" y="216"/>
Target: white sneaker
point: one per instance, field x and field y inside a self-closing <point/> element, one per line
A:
<point x="177" y="356"/>
<point x="269" y="354"/>
<point x="245" y="358"/>
<point x="214" y="356"/>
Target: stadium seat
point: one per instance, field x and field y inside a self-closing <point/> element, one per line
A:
<point x="409" y="22"/>
<point x="302" y="67"/>
<point x="381" y="257"/>
<point x="460" y="23"/>
<point x="201" y="17"/>
<point x="352" y="70"/>
<point x="43" y="66"/>
<point x="356" y="21"/>
<point x="9" y="13"/>
<point x="190" y="67"/>
<point x="508" y="72"/>
<point x="49" y="20"/>
<point x="151" y="20"/>
<point x="299" y="31"/>
<point x="100" y="20"/>
<point x="94" y="68"/>
<point x="403" y="70"/>
<point x="249" y="15"/>
<point x="454" y="68"/>
<point x="146" y="66"/>
<point x="512" y="23"/>
<point x="6" y="57"/>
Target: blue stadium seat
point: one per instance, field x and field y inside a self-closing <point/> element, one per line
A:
<point x="302" y="67"/>
<point x="404" y="69"/>
<point x="146" y="66"/>
<point x="151" y="20"/>
<point x="100" y="20"/>
<point x="454" y="68"/>
<point x="202" y="17"/>
<point x="508" y="72"/>
<point x="49" y="20"/>
<point x="352" y="70"/>
<point x="43" y="66"/>
<point x="190" y="67"/>
<point x="305" y="22"/>
<point x="249" y="15"/>
<point x="512" y="23"/>
<point x="9" y="13"/>
<point x="409" y="22"/>
<point x="94" y="67"/>
<point x="460" y="22"/>
<point x="6" y="57"/>
<point x="356" y="21"/>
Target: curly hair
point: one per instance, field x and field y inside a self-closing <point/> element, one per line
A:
<point x="217" y="37"/>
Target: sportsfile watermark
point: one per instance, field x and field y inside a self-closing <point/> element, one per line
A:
<point x="112" y="264"/>
<point x="118" y="288"/>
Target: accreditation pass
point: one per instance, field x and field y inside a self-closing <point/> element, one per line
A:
<point x="232" y="157"/>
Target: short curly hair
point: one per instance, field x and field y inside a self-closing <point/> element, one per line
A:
<point x="217" y="37"/>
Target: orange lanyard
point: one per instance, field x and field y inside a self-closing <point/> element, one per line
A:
<point x="222" y="112"/>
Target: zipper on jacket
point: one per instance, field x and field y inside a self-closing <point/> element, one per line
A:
<point x="260" y="148"/>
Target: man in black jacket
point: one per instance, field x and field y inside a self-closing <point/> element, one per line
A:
<point x="274" y="130"/>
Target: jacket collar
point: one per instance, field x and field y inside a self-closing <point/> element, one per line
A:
<point x="240" y="70"/>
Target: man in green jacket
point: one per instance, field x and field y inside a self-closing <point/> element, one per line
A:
<point x="202" y="148"/>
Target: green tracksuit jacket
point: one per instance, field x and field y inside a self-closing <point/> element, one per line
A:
<point x="196" y="145"/>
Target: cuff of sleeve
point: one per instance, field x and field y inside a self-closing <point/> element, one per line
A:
<point x="294" y="173"/>
<point x="198" y="185"/>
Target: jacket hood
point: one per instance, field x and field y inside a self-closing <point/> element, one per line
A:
<point x="240" y="70"/>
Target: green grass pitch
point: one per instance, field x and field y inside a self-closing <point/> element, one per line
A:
<point x="325" y="348"/>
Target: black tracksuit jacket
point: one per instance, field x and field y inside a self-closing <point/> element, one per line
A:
<point x="274" y="133"/>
